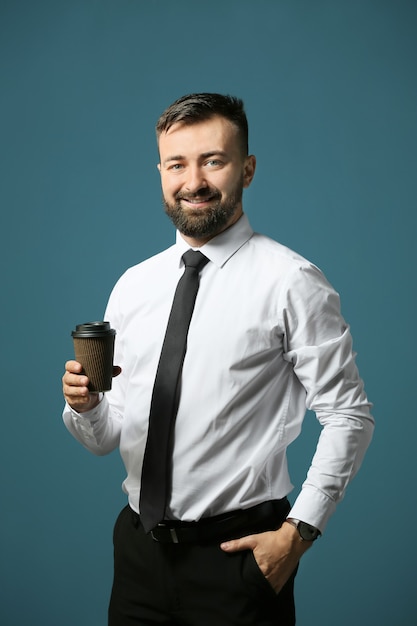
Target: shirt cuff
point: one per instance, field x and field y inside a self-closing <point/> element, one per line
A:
<point x="313" y="507"/>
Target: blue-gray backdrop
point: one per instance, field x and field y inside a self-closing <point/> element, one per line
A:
<point x="330" y="90"/>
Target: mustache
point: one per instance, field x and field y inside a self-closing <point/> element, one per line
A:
<point x="204" y="192"/>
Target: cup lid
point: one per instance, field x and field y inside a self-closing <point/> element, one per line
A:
<point x="92" y="329"/>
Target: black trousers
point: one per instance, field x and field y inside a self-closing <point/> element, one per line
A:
<point x="191" y="584"/>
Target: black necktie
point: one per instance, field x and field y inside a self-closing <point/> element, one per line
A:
<point x="164" y="403"/>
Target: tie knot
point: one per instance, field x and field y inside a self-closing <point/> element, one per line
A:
<point x="194" y="258"/>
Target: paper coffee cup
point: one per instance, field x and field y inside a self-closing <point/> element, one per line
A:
<point x="94" y="349"/>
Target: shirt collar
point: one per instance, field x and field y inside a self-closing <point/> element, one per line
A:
<point x="222" y="247"/>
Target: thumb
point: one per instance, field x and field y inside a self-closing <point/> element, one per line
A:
<point x="236" y="545"/>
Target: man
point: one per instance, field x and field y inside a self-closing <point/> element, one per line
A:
<point x="266" y="340"/>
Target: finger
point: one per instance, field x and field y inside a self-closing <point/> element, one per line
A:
<point x="74" y="367"/>
<point x="75" y="388"/>
<point x="80" y="398"/>
<point x="236" y="545"/>
<point x="76" y="392"/>
<point x="74" y="380"/>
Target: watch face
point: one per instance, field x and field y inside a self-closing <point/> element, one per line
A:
<point x="308" y="532"/>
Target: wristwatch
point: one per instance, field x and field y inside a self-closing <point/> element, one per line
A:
<point x="306" y="531"/>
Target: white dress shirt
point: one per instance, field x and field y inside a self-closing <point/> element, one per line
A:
<point x="266" y="341"/>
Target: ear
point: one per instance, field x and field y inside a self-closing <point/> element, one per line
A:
<point x="249" y="170"/>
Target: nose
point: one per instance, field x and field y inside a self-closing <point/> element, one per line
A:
<point x="195" y="179"/>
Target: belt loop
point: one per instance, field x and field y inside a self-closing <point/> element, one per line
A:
<point x="172" y="532"/>
<point x="135" y="519"/>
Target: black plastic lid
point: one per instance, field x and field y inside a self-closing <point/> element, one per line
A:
<point x="93" y="329"/>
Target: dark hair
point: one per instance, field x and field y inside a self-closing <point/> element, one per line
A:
<point x="198" y="107"/>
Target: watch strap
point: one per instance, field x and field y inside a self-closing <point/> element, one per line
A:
<point x="306" y="531"/>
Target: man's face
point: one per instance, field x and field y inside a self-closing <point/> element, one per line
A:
<point x="203" y="173"/>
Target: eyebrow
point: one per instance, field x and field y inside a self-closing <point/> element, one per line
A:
<point x="204" y="155"/>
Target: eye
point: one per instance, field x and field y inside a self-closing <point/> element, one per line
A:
<point x="175" y="167"/>
<point x="214" y="163"/>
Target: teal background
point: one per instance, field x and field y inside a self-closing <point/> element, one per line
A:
<point x="330" y="92"/>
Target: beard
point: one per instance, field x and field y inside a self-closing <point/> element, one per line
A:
<point x="207" y="222"/>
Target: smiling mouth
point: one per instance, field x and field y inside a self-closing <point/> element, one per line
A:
<point x="199" y="200"/>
